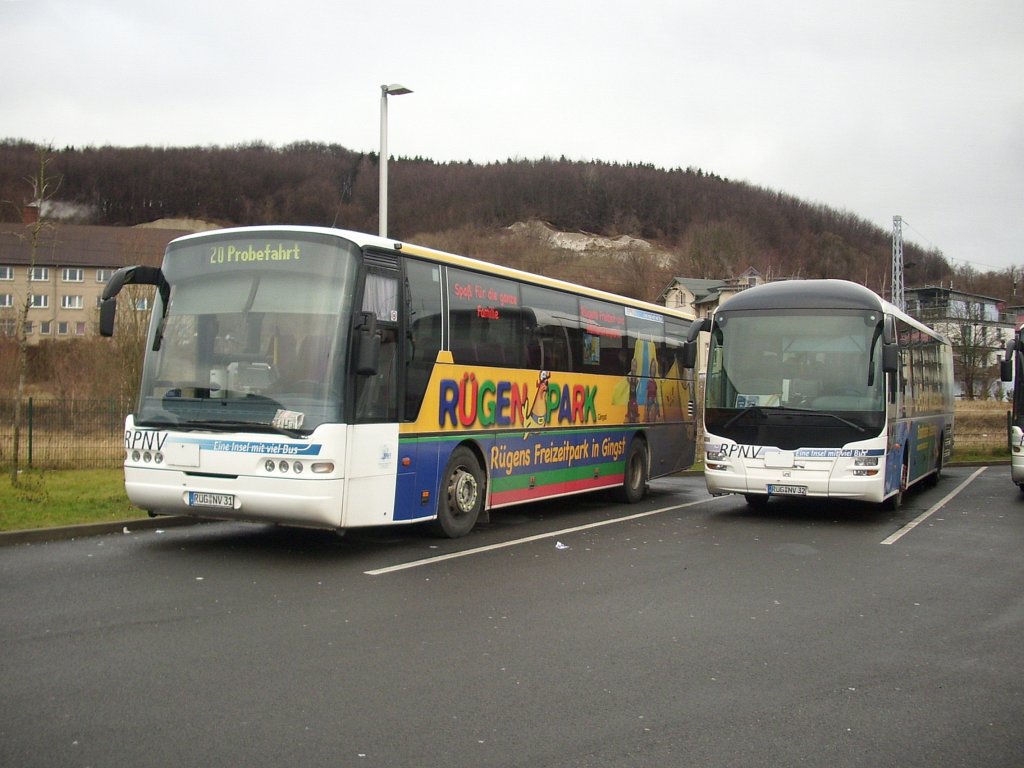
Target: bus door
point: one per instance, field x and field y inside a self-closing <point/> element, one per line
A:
<point x="372" y="455"/>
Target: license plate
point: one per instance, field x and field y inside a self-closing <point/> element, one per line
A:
<point x="787" y="490"/>
<point x="219" y="500"/>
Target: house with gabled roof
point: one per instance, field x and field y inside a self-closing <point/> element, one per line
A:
<point x="702" y="296"/>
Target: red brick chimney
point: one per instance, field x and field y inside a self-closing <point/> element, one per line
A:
<point x="30" y="214"/>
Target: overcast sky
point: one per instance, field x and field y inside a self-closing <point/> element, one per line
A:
<point x="877" y="107"/>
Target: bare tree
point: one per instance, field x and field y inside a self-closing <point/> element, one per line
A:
<point x="44" y="187"/>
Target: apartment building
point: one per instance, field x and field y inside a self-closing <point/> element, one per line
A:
<point x="977" y="326"/>
<point x="64" y="278"/>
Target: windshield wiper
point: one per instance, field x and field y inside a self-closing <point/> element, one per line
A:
<point x="740" y="414"/>
<point x="847" y="422"/>
<point x="156" y="423"/>
<point x="764" y="410"/>
<point x="250" y="426"/>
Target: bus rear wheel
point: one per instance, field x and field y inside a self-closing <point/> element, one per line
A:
<point x="634" y="478"/>
<point x="462" y="494"/>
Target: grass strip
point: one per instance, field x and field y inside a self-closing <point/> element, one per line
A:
<point x="47" y="498"/>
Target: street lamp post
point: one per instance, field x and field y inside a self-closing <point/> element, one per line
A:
<point x="386" y="90"/>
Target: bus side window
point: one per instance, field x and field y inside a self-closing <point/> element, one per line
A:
<point x="605" y="347"/>
<point x="553" y="329"/>
<point x="423" y="336"/>
<point x="672" y="357"/>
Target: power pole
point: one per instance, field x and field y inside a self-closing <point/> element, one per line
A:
<point x="898" y="297"/>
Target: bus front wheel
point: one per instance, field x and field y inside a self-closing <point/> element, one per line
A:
<point x="634" y="477"/>
<point x="895" y="502"/>
<point x="462" y="494"/>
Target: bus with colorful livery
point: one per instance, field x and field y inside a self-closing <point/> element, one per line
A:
<point x="820" y="388"/>
<point x="330" y="379"/>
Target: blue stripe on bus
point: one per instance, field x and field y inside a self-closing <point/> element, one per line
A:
<point x="230" y="445"/>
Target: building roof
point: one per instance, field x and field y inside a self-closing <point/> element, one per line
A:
<point x="702" y="290"/>
<point x="82" y="245"/>
<point x="935" y="290"/>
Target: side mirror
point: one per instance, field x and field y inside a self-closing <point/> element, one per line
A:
<point x="108" y="308"/>
<point x="1006" y="364"/>
<point x="697" y="326"/>
<point x="368" y="345"/>
<point x="890" y="358"/>
<point x="689" y="353"/>
<point x="137" y="275"/>
<point x="117" y="281"/>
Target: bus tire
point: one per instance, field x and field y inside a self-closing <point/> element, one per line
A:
<point x="895" y="501"/>
<point x="634" y="475"/>
<point x="934" y="477"/>
<point x="461" y="496"/>
<point x="756" y="500"/>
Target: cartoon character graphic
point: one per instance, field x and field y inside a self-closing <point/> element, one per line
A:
<point x="653" y="412"/>
<point x="538" y="410"/>
<point x="632" y="406"/>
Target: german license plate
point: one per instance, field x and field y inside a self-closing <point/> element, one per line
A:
<point x="787" y="490"/>
<point x="219" y="500"/>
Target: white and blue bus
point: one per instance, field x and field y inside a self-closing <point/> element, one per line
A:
<point x="324" y="378"/>
<point x="820" y="388"/>
<point x="1012" y="369"/>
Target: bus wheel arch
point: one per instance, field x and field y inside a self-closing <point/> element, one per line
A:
<point x="636" y="471"/>
<point x="462" y="493"/>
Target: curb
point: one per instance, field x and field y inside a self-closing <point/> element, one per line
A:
<point x="66" y="532"/>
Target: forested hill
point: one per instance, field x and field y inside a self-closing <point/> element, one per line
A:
<point x="712" y="227"/>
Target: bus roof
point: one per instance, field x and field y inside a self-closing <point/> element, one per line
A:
<point x="364" y="240"/>
<point x="812" y="294"/>
<point x="819" y="294"/>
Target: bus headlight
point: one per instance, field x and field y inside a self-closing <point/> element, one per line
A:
<point x="283" y="467"/>
<point x="865" y="461"/>
<point x="714" y="459"/>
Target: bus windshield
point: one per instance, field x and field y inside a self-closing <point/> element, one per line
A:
<point x="253" y="335"/>
<point x="809" y="363"/>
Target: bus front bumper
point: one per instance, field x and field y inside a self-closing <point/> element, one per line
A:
<point x="251" y="498"/>
<point x="820" y="480"/>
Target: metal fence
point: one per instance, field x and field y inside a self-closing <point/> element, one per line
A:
<point x="64" y="434"/>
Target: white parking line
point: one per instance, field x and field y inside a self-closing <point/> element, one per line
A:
<point x="924" y="516"/>
<point x="528" y="539"/>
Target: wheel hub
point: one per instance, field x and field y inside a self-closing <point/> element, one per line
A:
<point x="463" y="490"/>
